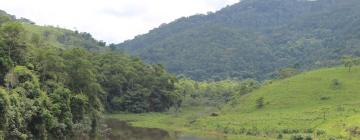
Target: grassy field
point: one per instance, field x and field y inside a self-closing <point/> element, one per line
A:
<point x="322" y="104"/>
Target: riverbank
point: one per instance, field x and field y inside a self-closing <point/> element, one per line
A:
<point x="184" y="122"/>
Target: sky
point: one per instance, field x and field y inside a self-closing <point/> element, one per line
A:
<point x="113" y="21"/>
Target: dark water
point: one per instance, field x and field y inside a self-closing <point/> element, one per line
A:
<point x="122" y="131"/>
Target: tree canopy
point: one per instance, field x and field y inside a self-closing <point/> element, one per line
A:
<point x="60" y="88"/>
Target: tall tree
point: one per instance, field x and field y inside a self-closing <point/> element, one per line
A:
<point x="13" y="37"/>
<point x="350" y="61"/>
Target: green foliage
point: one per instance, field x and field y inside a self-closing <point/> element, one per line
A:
<point x="79" y="104"/>
<point x="354" y="131"/>
<point x="336" y="84"/>
<point x="213" y="93"/>
<point x="58" y="81"/>
<point x="287" y="72"/>
<point x="28" y="105"/>
<point x="300" y="137"/>
<point x="12" y="34"/>
<point x="4" y="17"/>
<point x="350" y="61"/>
<point x="254" y="39"/>
<point x="260" y="102"/>
<point x="12" y="47"/>
<point x="6" y="65"/>
<point x="61" y="107"/>
<point x="4" y="109"/>
<point x="133" y="86"/>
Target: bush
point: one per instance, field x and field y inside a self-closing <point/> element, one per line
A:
<point x="323" y="98"/>
<point x="260" y="102"/>
<point x="79" y="105"/>
<point x="335" y="84"/>
<point x="309" y="130"/>
<point x="4" y="107"/>
<point x="287" y="72"/>
<point x="308" y="137"/>
<point x="296" y="137"/>
<point x="290" y="131"/>
<point x="320" y="132"/>
<point x="354" y="131"/>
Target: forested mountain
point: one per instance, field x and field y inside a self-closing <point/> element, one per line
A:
<point x="254" y="39"/>
<point x="57" y="83"/>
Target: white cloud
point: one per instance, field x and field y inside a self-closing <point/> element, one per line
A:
<point x="109" y="20"/>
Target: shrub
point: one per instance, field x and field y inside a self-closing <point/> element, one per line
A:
<point x="301" y="137"/>
<point x="308" y="130"/>
<point x="323" y="98"/>
<point x="260" y="102"/>
<point x="4" y="107"/>
<point x="320" y="132"/>
<point x="297" y="137"/>
<point x="308" y="137"/>
<point x="354" y="131"/>
<point x="335" y="84"/>
<point x="226" y="130"/>
<point x="290" y="131"/>
<point x="287" y="72"/>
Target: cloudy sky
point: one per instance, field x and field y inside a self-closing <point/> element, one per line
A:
<point x="110" y="20"/>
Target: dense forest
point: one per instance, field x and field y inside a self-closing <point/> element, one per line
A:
<point x="57" y="83"/>
<point x="254" y="39"/>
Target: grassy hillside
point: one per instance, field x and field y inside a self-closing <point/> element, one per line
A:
<point x="254" y="39"/>
<point x="321" y="104"/>
<point x="60" y="38"/>
<point x="50" y="36"/>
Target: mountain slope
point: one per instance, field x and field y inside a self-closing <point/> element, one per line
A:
<point x="51" y="36"/>
<point x="254" y="38"/>
<point x="321" y="104"/>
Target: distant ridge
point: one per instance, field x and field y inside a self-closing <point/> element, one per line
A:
<point x="254" y="39"/>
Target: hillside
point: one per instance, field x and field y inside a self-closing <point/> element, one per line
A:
<point x="51" y="36"/>
<point x="60" y="38"/>
<point x="57" y="83"/>
<point x="254" y="39"/>
<point x="321" y="104"/>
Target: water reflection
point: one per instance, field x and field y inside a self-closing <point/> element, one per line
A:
<point x="122" y="131"/>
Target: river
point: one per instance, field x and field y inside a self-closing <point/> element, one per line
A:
<point x="121" y="130"/>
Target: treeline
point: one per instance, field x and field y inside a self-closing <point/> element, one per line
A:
<point x="52" y="92"/>
<point x="214" y="94"/>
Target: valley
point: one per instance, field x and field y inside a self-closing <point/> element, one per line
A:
<point x="253" y="70"/>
